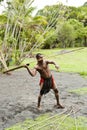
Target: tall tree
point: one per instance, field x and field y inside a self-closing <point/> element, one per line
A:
<point x="21" y="28"/>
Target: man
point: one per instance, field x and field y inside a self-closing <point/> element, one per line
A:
<point x="47" y="81"/>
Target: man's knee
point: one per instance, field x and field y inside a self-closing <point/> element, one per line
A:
<point x="56" y="91"/>
<point x="40" y="96"/>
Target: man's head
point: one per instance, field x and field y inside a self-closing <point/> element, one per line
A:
<point x="39" y="57"/>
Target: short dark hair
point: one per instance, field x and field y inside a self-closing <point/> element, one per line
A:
<point x="38" y="55"/>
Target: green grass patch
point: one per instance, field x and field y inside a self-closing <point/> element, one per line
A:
<point x="56" y="122"/>
<point x="80" y="91"/>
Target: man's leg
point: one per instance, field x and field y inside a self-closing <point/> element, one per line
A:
<point x="39" y="97"/>
<point x="39" y="101"/>
<point x="57" y="98"/>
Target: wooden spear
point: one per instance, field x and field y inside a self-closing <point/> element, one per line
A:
<point x="15" y="68"/>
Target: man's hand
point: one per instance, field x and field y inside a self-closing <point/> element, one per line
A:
<point x="56" y="66"/>
<point x="28" y="64"/>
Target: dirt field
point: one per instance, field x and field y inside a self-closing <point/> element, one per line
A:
<point x="19" y="92"/>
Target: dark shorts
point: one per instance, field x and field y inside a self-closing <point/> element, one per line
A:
<point x="47" y="85"/>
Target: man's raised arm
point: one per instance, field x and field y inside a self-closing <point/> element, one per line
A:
<point x="31" y="72"/>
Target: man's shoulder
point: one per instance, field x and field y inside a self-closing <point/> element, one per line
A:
<point x="36" y="67"/>
<point x="46" y="61"/>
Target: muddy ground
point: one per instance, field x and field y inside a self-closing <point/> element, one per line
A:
<point x="19" y="92"/>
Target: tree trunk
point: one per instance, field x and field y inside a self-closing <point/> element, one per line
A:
<point x="85" y="41"/>
<point x="3" y="62"/>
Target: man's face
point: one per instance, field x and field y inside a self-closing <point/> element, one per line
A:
<point x="40" y="59"/>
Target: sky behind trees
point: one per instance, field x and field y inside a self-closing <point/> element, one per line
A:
<point x="41" y="3"/>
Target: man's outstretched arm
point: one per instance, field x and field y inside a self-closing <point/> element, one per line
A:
<point x="52" y="62"/>
<point x="31" y="72"/>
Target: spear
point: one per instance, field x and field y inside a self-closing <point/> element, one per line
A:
<point x="22" y="66"/>
<point x="15" y="68"/>
<point x="65" y="52"/>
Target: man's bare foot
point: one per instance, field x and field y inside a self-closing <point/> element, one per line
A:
<point x="39" y="108"/>
<point x="59" y="106"/>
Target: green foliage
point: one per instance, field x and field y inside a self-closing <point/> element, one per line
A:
<point x="40" y="19"/>
<point x="3" y="19"/>
<point x="39" y="39"/>
<point x="76" y="19"/>
<point x="51" y="12"/>
<point x="75" y="23"/>
<point x="50" y="39"/>
<point x="78" y="32"/>
<point x="73" y="12"/>
<point x="66" y="35"/>
<point x="1" y="0"/>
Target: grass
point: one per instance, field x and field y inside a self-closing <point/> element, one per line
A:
<point x="80" y="91"/>
<point x="47" y="122"/>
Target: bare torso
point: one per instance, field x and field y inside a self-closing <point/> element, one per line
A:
<point x="43" y="69"/>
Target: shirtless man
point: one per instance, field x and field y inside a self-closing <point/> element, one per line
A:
<point x="47" y="81"/>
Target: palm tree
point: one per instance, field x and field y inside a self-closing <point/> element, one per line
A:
<point x="21" y="29"/>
